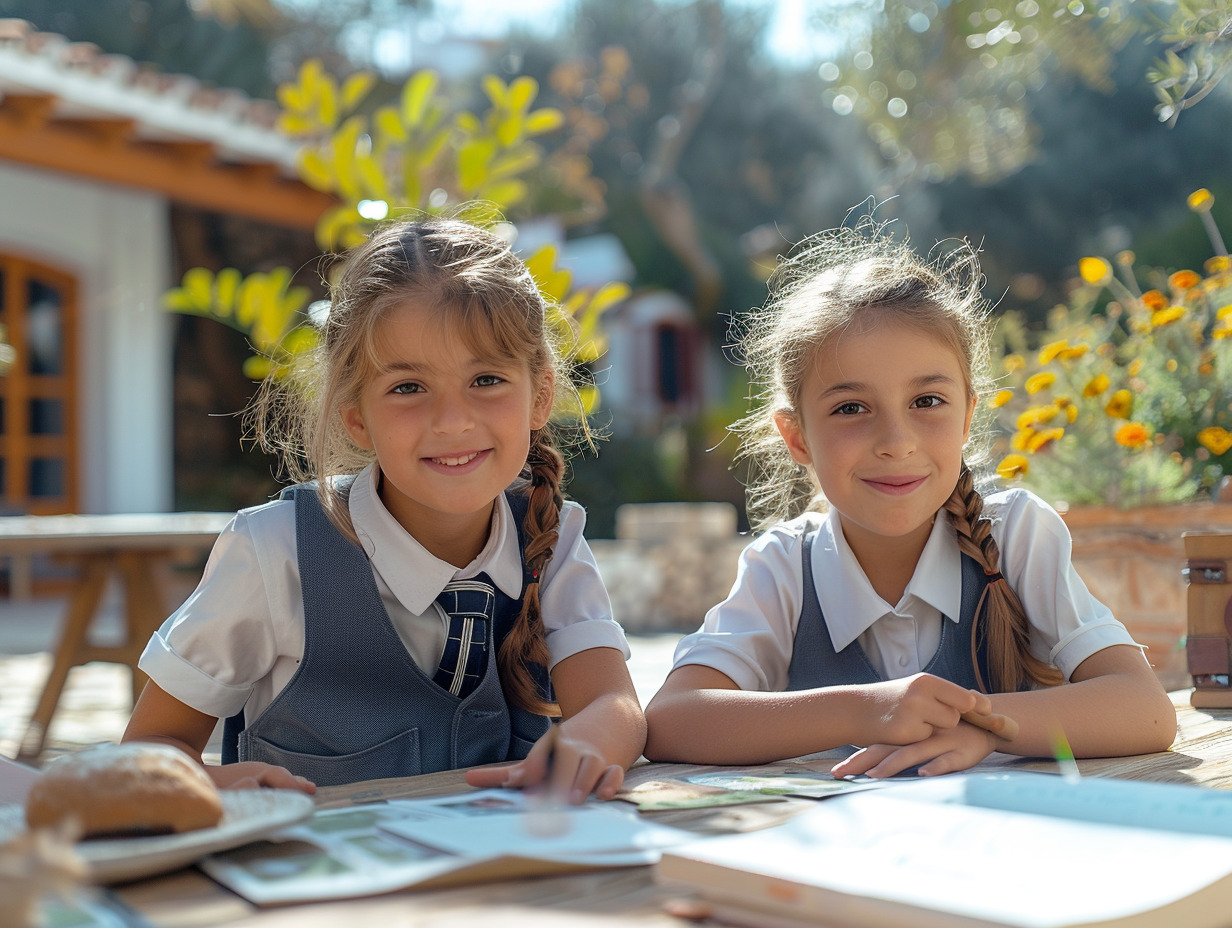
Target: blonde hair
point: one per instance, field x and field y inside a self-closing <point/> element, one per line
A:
<point x="473" y="277"/>
<point x="861" y="276"/>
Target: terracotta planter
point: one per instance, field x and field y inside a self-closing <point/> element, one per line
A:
<point x="1131" y="559"/>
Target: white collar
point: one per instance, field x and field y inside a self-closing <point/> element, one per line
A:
<point x="847" y="598"/>
<point x="414" y="575"/>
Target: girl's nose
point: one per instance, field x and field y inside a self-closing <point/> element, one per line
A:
<point x="451" y="415"/>
<point x="895" y="438"/>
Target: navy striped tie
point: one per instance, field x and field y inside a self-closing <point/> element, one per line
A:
<point x="469" y="605"/>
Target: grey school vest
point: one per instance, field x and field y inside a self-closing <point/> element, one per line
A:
<point x="358" y="707"/>
<point x="815" y="663"/>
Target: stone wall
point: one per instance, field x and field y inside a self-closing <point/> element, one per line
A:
<point x="669" y="563"/>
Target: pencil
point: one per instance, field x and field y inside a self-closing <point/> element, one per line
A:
<point x="1002" y="726"/>
<point x="1064" y="755"/>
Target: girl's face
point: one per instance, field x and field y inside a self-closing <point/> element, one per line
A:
<point x="884" y="413"/>
<point x="450" y="430"/>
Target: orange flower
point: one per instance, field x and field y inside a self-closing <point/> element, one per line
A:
<point x="1165" y="316"/>
<point x="1095" y="271"/>
<point x="1201" y="200"/>
<point x="1154" y="300"/>
<point x="1040" y="439"/>
<point x="1050" y="351"/>
<point x="1121" y="405"/>
<point x="1012" y="466"/>
<point x="1133" y="435"/>
<point x="1096" y="385"/>
<point x="1184" y="280"/>
<point x="1214" y="439"/>
<point x="1041" y="381"/>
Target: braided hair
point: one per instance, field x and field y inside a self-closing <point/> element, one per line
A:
<point x="472" y="276"/>
<point x="848" y="276"/>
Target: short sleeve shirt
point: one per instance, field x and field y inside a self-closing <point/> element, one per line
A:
<point x="749" y="635"/>
<point x="237" y="640"/>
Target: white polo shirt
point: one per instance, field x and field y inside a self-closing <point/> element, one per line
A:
<point x="240" y="636"/>
<point x="749" y="636"/>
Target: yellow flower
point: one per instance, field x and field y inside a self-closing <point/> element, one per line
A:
<point x="1184" y="280"/>
<point x="1096" y="385"/>
<point x="1014" y="362"/>
<point x="1121" y="405"/>
<point x="1041" y="381"/>
<point x="1036" y="415"/>
<point x="1133" y="435"/>
<point x="1135" y="367"/>
<point x="1000" y="398"/>
<point x="1154" y="300"/>
<point x="1095" y="271"/>
<point x="1206" y="369"/>
<point x="1201" y="200"/>
<point x="1171" y="365"/>
<point x="1011" y="466"/>
<point x="1222" y="331"/>
<point x="1040" y="439"/>
<point x="1219" y="264"/>
<point x="1164" y="316"/>
<point x="1071" y="413"/>
<point x="1050" y="351"/>
<point x="1223" y="312"/>
<point x="1214" y="439"/>
<point x="1074" y="353"/>
<point x="1021" y="439"/>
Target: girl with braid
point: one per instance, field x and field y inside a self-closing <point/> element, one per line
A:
<point x="888" y="604"/>
<point x="423" y="599"/>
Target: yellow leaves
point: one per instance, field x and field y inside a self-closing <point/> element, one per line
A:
<point x="553" y="283"/>
<point x="314" y="102"/>
<point x="1121" y="405"/>
<point x="263" y="305"/>
<point x="1012" y="466"/>
<point x="1095" y="271"/>
<point x="1133" y="435"/>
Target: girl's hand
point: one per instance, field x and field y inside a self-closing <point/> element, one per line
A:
<point x="911" y="710"/>
<point x="255" y="775"/>
<point x="568" y="769"/>
<point x="945" y="751"/>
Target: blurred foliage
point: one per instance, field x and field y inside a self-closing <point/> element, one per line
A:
<point x="1135" y="373"/>
<point x="944" y="88"/>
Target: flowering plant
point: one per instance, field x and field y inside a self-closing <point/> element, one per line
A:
<point x="1126" y="398"/>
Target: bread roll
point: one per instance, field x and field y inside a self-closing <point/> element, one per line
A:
<point x="125" y="789"/>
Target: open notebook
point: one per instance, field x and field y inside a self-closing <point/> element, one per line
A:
<point x="1010" y="849"/>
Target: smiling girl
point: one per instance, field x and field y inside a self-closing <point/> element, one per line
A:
<point x="424" y="598"/>
<point x="887" y="598"/>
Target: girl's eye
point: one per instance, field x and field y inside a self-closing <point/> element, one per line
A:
<point x="404" y="388"/>
<point x="849" y="409"/>
<point x="928" y="402"/>
<point x="488" y="380"/>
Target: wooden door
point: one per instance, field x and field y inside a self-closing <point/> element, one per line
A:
<point x="38" y="390"/>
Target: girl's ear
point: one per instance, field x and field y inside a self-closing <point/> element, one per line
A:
<point x="545" y="395"/>
<point x="793" y="436"/>
<point x="353" y="421"/>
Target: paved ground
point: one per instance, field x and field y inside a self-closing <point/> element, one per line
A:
<point x="97" y="699"/>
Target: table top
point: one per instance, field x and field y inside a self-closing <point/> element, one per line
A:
<point x="622" y="898"/>
<point x="110" y="532"/>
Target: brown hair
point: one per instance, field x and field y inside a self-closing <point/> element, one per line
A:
<point x="473" y="276"/>
<point x="853" y="275"/>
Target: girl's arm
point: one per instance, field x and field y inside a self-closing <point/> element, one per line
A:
<point x="701" y="716"/>
<point x="160" y="717"/>
<point x="1113" y="706"/>
<point x="601" y="734"/>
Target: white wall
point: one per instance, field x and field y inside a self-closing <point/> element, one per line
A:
<point x="116" y="241"/>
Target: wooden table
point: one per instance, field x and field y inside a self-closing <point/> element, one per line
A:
<point x="132" y="548"/>
<point x="623" y="898"/>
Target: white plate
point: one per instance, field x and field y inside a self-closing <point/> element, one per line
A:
<point x="247" y="814"/>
